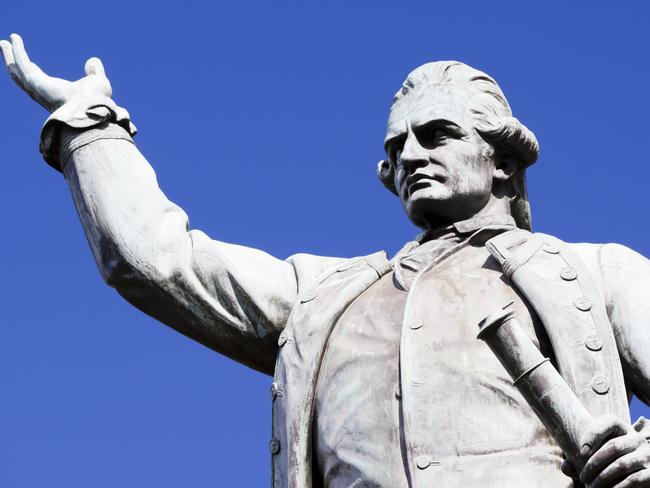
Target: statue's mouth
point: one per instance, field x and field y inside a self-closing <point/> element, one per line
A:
<point x="418" y="182"/>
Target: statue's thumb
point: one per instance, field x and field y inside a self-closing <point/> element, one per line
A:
<point x="94" y="66"/>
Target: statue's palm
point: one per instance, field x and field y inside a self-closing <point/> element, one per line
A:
<point x="49" y="91"/>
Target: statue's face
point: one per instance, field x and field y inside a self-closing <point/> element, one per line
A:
<point x="441" y="173"/>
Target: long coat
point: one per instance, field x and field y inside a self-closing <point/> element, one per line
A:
<point x="549" y="273"/>
<point x="276" y="315"/>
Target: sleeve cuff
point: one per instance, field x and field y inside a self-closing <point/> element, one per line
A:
<point x="80" y="113"/>
<point x="73" y="139"/>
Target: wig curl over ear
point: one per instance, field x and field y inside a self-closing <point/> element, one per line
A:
<point x="508" y="134"/>
<point x="386" y="174"/>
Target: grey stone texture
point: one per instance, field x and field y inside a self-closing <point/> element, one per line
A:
<point x="378" y="376"/>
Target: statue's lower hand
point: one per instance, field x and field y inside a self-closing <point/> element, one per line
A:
<point x="51" y="92"/>
<point x="618" y="456"/>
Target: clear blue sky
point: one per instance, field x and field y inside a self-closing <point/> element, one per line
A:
<point x="264" y="121"/>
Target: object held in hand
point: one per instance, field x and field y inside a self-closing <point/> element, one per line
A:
<point x="539" y="382"/>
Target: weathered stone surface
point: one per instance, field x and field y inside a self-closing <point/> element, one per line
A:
<point x="379" y="379"/>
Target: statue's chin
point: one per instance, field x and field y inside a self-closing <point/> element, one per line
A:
<point x="428" y="208"/>
<point x="438" y="205"/>
<point x="431" y="214"/>
<point x="429" y="219"/>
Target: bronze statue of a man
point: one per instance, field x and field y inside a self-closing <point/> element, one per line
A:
<point x="378" y="377"/>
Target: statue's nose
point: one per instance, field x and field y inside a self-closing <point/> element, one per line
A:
<point x="413" y="153"/>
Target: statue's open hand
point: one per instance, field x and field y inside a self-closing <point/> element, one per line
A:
<point x="51" y="92"/>
<point x="618" y="456"/>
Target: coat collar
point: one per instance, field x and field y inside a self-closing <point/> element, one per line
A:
<point x="467" y="227"/>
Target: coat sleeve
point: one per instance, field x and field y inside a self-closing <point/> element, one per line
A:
<point x="230" y="298"/>
<point x="626" y="284"/>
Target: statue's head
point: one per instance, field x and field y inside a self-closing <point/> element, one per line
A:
<point x="454" y="149"/>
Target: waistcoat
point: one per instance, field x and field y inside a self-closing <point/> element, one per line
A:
<point x="546" y="271"/>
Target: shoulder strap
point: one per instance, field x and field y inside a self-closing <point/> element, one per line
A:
<point x="557" y="284"/>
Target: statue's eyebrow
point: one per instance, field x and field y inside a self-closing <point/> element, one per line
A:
<point x="448" y="125"/>
<point x="452" y="127"/>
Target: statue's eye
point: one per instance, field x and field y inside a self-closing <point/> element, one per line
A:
<point x="437" y="135"/>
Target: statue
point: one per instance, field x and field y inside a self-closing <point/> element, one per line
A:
<point x="378" y="376"/>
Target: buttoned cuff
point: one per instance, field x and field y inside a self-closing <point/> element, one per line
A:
<point x="81" y="113"/>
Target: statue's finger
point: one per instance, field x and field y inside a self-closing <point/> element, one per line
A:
<point x="10" y="63"/>
<point x="94" y="66"/>
<point x="20" y="55"/>
<point x="27" y="74"/>
<point x="636" y="480"/>
<point x="607" y="454"/>
<point x="603" y="429"/>
<point x="620" y="469"/>
<point x="7" y="53"/>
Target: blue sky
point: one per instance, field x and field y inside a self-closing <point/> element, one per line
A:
<point x="264" y="121"/>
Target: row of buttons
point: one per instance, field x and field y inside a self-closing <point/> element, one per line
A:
<point x="599" y="384"/>
<point x="277" y="391"/>
<point x="569" y="274"/>
<point x="422" y="461"/>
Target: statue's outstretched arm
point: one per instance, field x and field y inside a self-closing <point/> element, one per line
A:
<point x="231" y="298"/>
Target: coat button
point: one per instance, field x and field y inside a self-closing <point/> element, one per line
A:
<point x="422" y="462"/>
<point x="274" y="446"/>
<point x="284" y="337"/>
<point x="593" y="343"/>
<point x="582" y="304"/>
<point x="568" y="273"/>
<point x="398" y="392"/>
<point x="551" y="249"/>
<point x="276" y="391"/>
<point x="600" y="385"/>
<point x="416" y="325"/>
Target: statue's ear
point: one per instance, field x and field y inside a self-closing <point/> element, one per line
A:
<point x="386" y="172"/>
<point x="506" y="166"/>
